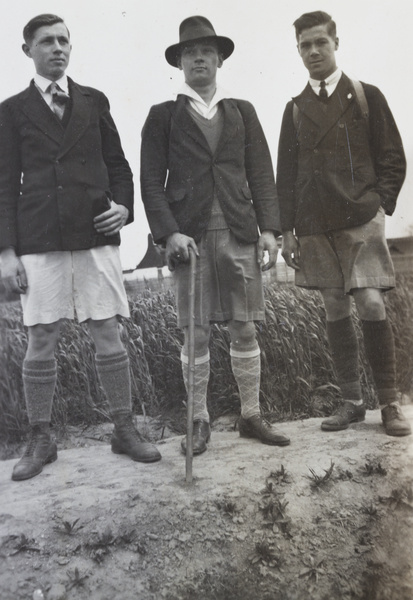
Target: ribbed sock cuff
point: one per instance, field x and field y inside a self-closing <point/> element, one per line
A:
<point x="39" y="382"/>
<point x="114" y="376"/>
<point x="199" y="360"/>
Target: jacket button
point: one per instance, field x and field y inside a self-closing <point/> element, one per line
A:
<point x="315" y="151"/>
<point x="83" y="161"/>
<point x="316" y="172"/>
<point x="57" y="162"/>
<point x="59" y="188"/>
<point x="341" y="125"/>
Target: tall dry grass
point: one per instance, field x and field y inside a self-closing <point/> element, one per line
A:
<point x="298" y="378"/>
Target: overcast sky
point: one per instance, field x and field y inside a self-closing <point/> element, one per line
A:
<point x="118" y="47"/>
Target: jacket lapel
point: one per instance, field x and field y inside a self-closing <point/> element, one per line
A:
<point x="231" y="123"/>
<point x="185" y="123"/>
<point x="36" y="109"/>
<point x="326" y="115"/>
<point x="79" y="118"/>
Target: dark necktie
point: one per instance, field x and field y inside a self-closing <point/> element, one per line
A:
<point x="59" y="100"/>
<point x="323" y="92"/>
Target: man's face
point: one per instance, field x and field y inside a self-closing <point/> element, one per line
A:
<point x="317" y="49"/>
<point x="199" y="63"/>
<point x="50" y="50"/>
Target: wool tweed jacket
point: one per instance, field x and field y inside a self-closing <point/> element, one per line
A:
<point x="53" y="178"/>
<point x="180" y="173"/>
<point x="335" y="166"/>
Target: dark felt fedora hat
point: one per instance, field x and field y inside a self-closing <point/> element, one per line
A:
<point x="195" y="29"/>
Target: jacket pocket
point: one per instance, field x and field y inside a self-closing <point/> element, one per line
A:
<point x="175" y="195"/>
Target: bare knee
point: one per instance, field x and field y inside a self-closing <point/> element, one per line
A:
<point x="201" y="337"/>
<point x="243" y="335"/>
<point x="106" y="335"/>
<point x="42" y="341"/>
<point x="337" y="304"/>
<point x="370" y="304"/>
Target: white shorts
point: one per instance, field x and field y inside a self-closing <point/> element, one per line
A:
<point x="85" y="283"/>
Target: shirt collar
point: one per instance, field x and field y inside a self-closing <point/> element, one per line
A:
<point x="199" y="104"/>
<point x="44" y="83"/>
<point x="332" y="80"/>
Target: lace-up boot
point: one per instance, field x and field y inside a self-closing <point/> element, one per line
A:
<point x="40" y="450"/>
<point x="201" y="436"/>
<point x="259" y="428"/>
<point x="126" y="439"/>
<point x="346" y="414"/>
<point x="394" y="421"/>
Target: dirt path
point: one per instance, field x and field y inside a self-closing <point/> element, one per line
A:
<point x="253" y="525"/>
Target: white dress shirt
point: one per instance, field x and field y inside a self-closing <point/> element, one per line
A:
<point x="331" y="83"/>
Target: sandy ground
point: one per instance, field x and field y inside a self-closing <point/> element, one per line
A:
<point x="254" y="524"/>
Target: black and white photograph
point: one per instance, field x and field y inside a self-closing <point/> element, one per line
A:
<point x="206" y="301"/>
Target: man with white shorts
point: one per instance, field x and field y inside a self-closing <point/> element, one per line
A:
<point x="66" y="190"/>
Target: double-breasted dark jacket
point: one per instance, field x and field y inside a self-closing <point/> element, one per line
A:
<point x="180" y="174"/>
<point x="335" y="166"/>
<point x="54" y="178"/>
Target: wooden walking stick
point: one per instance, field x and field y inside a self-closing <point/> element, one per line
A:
<point x="191" y="366"/>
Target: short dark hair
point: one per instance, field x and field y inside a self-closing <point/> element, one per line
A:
<point x="312" y="19"/>
<point x="40" y="21"/>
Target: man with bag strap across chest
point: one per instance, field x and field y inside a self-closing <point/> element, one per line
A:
<point x="341" y="166"/>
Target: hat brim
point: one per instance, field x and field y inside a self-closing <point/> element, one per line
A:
<point x="225" y="47"/>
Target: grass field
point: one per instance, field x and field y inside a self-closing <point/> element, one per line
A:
<point x="298" y="380"/>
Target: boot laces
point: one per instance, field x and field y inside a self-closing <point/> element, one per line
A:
<point x="34" y="436"/>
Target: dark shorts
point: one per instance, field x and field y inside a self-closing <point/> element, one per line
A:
<point x="228" y="283"/>
<point x="347" y="259"/>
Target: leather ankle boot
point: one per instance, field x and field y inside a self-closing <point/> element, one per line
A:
<point x="126" y="439"/>
<point x="40" y="450"/>
<point x="394" y="421"/>
<point x="201" y="436"/>
<point x="346" y="414"/>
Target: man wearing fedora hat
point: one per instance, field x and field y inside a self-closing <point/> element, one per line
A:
<point x="207" y="184"/>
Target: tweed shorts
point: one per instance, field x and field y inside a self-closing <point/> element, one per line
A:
<point x="228" y="281"/>
<point x="85" y="283"/>
<point x="347" y="259"/>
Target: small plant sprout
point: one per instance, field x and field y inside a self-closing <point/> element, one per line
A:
<point x="76" y="579"/>
<point x="313" y="568"/>
<point x="370" y="510"/>
<point x="372" y="468"/>
<point x="264" y="553"/>
<point x="99" y="548"/>
<point x="227" y="506"/>
<point x="320" y="480"/>
<point x="280" y="476"/>
<point x="24" y="544"/>
<point x="68" y="527"/>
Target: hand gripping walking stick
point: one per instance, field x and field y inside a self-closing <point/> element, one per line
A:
<point x="191" y="366"/>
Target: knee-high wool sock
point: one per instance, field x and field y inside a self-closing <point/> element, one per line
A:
<point x="246" y="366"/>
<point x="114" y="375"/>
<point x="380" y="352"/>
<point x="344" y="348"/>
<point x="39" y="382"/>
<point x="201" y="379"/>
